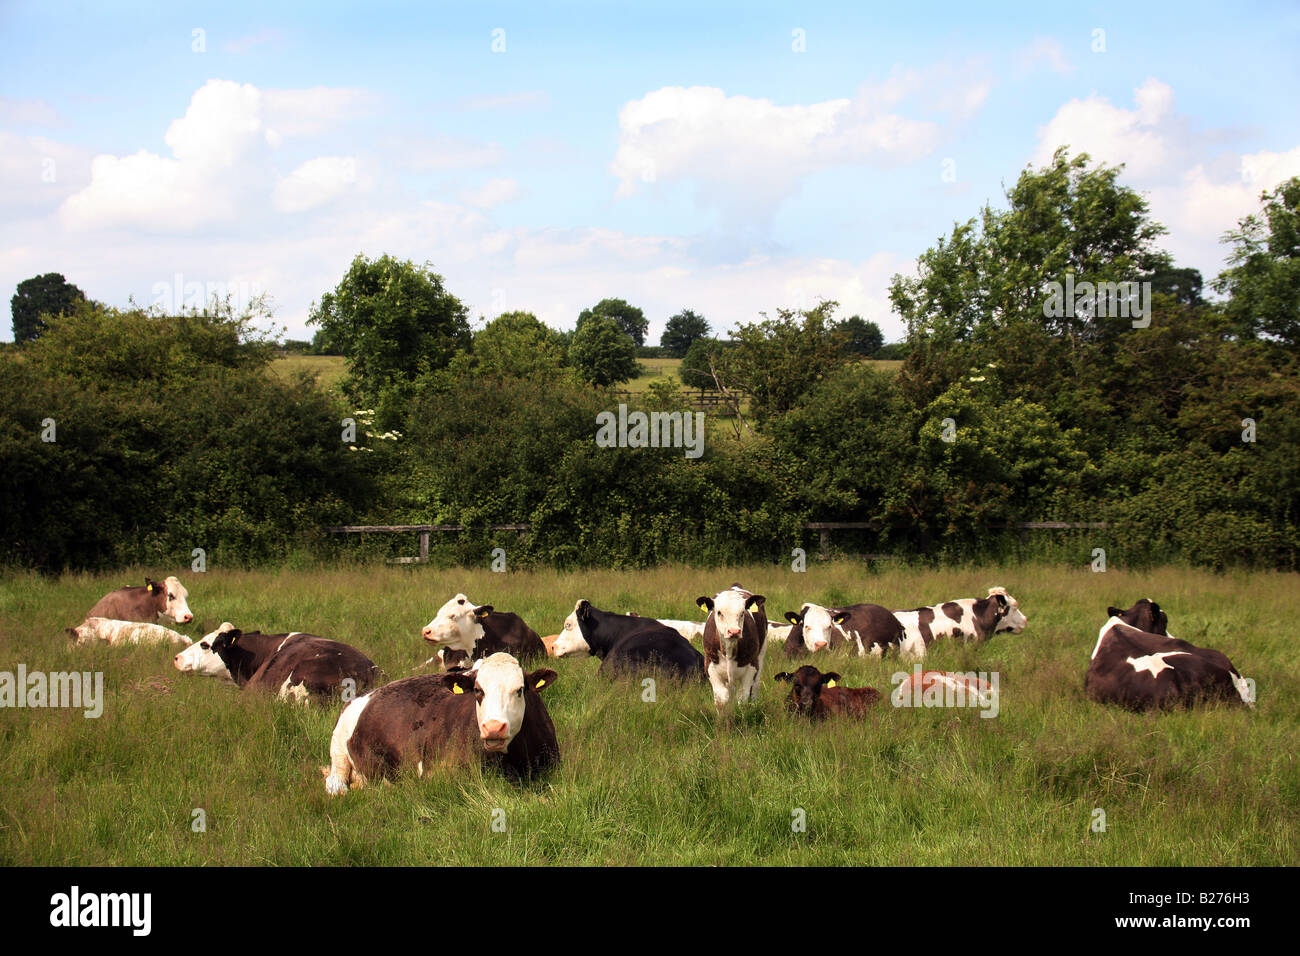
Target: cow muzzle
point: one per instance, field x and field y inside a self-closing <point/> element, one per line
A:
<point x="495" y="734"/>
<point x="819" y="646"/>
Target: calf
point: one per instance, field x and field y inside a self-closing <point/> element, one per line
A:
<point x="950" y="688"/>
<point x="123" y="632"/>
<point x="816" y="695"/>
<point x="301" y="666"/>
<point x="1145" y="615"/>
<point x="463" y="632"/>
<point x="493" y="714"/>
<point x="735" y="642"/>
<point x="627" y="644"/>
<point x="869" y="628"/>
<point x="1140" y="670"/>
<point x="145" y="603"/>
<point x="967" y="618"/>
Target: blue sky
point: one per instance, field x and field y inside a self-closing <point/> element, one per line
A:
<point x="544" y="156"/>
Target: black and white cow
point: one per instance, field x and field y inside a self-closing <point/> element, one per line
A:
<point x="1145" y="615"/>
<point x="867" y="628"/>
<point x="627" y="644"/>
<point x="970" y="619"/>
<point x="463" y="631"/>
<point x="1140" y="670"/>
<point x="735" y="642"/>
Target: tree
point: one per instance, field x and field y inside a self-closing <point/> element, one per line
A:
<point x="681" y="330"/>
<point x="695" y="370"/>
<point x="864" y="337"/>
<point x="394" y="321"/>
<point x="627" y="317"/>
<point x="517" y="345"/>
<point x="602" y="352"/>
<point x="48" y="294"/>
<point x="1263" y="278"/>
<point x="1183" y="285"/>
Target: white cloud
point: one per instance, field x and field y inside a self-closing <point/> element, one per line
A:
<point x="1112" y="134"/>
<point x="492" y="193"/>
<point x="314" y="183"/>
<point x="314" y="110"/>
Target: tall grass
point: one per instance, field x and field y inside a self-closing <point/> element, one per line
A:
<point x="665" y="782"/>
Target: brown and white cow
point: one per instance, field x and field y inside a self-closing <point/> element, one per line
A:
<point x="146" y="603"/>
<point x="464" y="632"/>
<point x="123" y="632"/>
<point x="492" y="714"/>
<point x="817" y="695"/>
<point x="1145" y="615"/>
<point x="971" y="619"/>
<point x="945" y="689"/>
<point x="735" y="642"/>
<point x="867" y="628"/>
<point x="301" y="666"/>
<point x="1140" y="671"/>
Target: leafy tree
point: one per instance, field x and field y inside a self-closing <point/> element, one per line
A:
<point x="694" y="370"/>
<point x="1183" y="285"/>
<point x="864" y="337"/>
<point x="394" y="321"/>
<point x="777" y="360"/>
<point x="681" y="330"/>
<point x="516" y="345"/>
<point x="1263" y="278"/>
<point x="627" y="317"/>
<point x="48" y="294"/>
<point x="602" y="352"/>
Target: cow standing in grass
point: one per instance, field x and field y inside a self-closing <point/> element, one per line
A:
<point x="735" y="642"/>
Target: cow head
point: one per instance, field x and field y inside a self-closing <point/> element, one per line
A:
<point x="813" y="625"/>
<point x="807" y="683"/>
<point x="498" y="686"/>
<point x="171" y="598"/>
<point x="200" y="658"/>
<point x="1145" y="615"/>
<point x="570" y="640"/>
<point x="1014" y="621"/>
<point x="457" y="625"/>
<point x="730" y="610"/>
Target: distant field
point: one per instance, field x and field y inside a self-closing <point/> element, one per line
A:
<point x="665" y="782"/>
<point x="329" y="368"/>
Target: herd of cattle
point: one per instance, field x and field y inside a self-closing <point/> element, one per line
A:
<point x="482" y="705"/>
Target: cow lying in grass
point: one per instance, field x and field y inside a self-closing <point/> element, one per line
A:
<point x="465" y="632"/>
<point x="817" y="695"/>
<point x="145" y="602"/>
<point x="123" y="632"/>
<point x="626" y="644"/>
<point x="493" y="714"/>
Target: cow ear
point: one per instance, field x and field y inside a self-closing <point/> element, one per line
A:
<point x="829" y="678"/>
<point x="151" y="586"/>
<point x="785" y="676"/>
<point x="704" y="603"/>
<point x="542" y="677"/>
<point x="1002" y="600"/>
<point x="792" y="617"/>
<point x="584" y="609"/>
<point x="482" y="612"/>
<point x="458" y="683"/>
<point x="840" y="617"/>
<point x="1113" y="612"/>
<point x="755" y="604"/>
<point x="231" y="635"/>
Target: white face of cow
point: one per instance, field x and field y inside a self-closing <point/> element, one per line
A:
<point x="178" y="608"/>
<point x="816" y="628"/>
<point x="1015" y="621"/>
<point x="729" y="614"/>
<point x="456" y="625"/>
<point x="570" y="639"/>
<point x="499" y="701"/>
<point x="200" y="658"/>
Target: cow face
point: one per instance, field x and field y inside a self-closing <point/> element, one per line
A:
<point x="457" y="625"/>
<point x="174" y="598"/>
<point x="812" y="625"/>
<point x="729" y="610"/>
<point x="1145" y="615"/>
<point x="1014" y="621"/>
<point x="498" y="689"/>
<point x="807" y="687"/>
<point x="570" y="640"/>
<point x="200" y="658"/>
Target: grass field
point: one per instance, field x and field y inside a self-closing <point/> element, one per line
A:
<point x="665" y="782"/>
<point x="328" y="368"/>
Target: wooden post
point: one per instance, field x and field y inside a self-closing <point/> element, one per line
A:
<point x="424" y="546"/>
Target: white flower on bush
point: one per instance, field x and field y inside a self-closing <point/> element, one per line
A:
<point x="364" y="417"/>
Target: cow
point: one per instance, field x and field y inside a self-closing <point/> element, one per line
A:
<point x="200" y="658"/>
<point x="1015" y="621"/>
<point x="1145" y="615"/>
<point x="464" y="632"/>
<point x="493" y="714"/>
<point x="951" y="688"/>
<point x="146" y="603"/>
<point x="968" y="618"/>
<point x="735" y="643"/>
<point x="1141" y="671"/>
<point x="817" y="695"/>
<point x="868" y="628"/>
<point x="301" y="666"/>
<point x="627" y="644"/>
<point x="123" y="632"/>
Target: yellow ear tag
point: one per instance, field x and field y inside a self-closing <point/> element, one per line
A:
<point x="455" y="689"/>
<point x="702" y="606"/>
<point x="540" y="684"/>
<point x="830" y="683"/>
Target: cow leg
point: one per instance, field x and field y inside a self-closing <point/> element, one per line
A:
<point x="718" y="681"/>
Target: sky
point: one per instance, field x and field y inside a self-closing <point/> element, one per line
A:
<point x="730" y="158"/>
